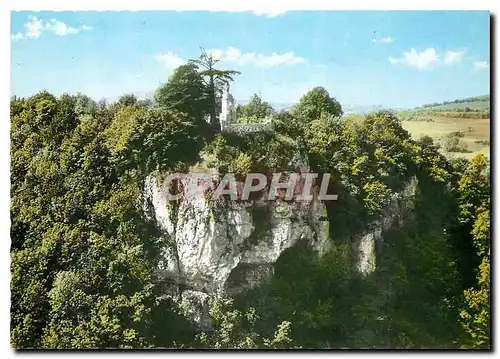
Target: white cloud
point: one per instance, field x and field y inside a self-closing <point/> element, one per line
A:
<point x="384" y="40"/>
<point x="451" y="57"/>
<point x="269" y="13"/>
<point x="481" y="65"/>
<point x="428" y="58"/>
<point x="35" y="27"/>
<point x="235" y="56"/>
<point x="169" y="60"/>
<point x="17" y="37"/>
<point x="61" y="29"/>
<point x="420" y="60"/>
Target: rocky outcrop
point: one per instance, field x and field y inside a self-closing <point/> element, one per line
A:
<point x="230" y="246"/>
<point x="366" y="243"/>
<point x="223" y="245"/>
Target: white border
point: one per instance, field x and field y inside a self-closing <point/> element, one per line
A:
<point x="260" y="5"/>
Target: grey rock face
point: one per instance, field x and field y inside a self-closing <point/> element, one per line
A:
<point x="229" y="246"/>
<point x="215" y="242"/>
<point x="400" y="204"/>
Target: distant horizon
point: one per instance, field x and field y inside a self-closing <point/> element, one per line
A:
<point x="149" y="95"/>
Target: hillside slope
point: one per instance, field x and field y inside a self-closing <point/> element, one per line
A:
<point x="477" y="103"/>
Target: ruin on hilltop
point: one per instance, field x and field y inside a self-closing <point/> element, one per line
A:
<point x="228" y="122"/>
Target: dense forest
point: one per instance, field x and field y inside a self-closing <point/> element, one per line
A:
<point x="84" y="254"/>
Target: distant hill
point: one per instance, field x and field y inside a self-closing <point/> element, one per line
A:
<point x="278" y="106"/>
<point x="472" y="107"/>
<point x="362" y="110"/>
<point x="348" y="109"/>
<point x="473" y="103"/>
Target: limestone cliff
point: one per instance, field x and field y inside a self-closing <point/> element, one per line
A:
<point x="228" y="246"/>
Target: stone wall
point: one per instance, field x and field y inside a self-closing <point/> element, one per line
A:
<point x="243" y="128"/>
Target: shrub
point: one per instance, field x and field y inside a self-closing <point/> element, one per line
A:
<point x="457" y="134"/>
<point x="452" y="143"/>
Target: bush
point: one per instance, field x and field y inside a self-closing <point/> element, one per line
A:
<point x="416" y="117"/>
<point x="428" y="141"/>
<point x="452" y="143"/>
<point x="457" y="134"/>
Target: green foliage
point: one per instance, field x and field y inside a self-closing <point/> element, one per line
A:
<point x="452" y="143"/>
<point x="214" y="80"/>
<point x="82" y="251"/>
<point x="411" y="300"/>
<point x="254" y="111"/>
<point x="233" y="329"/>
<point x="377" y="196"/>
<point x="184" y="92"/>
<point x="84" y="105"/>
<point x="241" y="164"/>
<point x="467" y="104"/>
<point x="407" y="303"/>
<point x="472" y="107"/>
<point x="260" y="153"/>
<point x="316" y="102"/>
<point x="482" y="142"/>
<point x="121" y="130"/>
<point x="153" y="139"/>
<point x="368" y="160"/>
<point x="474" y="188"/>
<point x="419" y="270"/>
<point x="288" y="125"/>
<point x="475" y="315"/>
<point x="474" y="203"/>
<point x="127" y="100"/>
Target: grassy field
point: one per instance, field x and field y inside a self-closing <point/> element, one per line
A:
<point x="474" y="130"/>
<point x="441" y="119"/>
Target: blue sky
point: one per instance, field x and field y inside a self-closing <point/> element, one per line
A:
<point x="393" y="59"/>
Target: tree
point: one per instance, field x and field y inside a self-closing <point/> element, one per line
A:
<point x="234" y="329"/>
<point x="84" y="105"/>
<point x="152" y="139"/>
<point x="127" y="100"/>
<point x="84" y="255"/>
<point x="474" y="188"/>
<point x="289" y="125"/>
<point x="255" y="108"/>
<point x="475" y="315"/>
<point x="474" y="205"/>
<point x="214" y="80"/>
<point x="185" y="92"/>
<point x="83" y="252"/>
<point x="315" y="102"/>
<point x="453" y="143"/>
